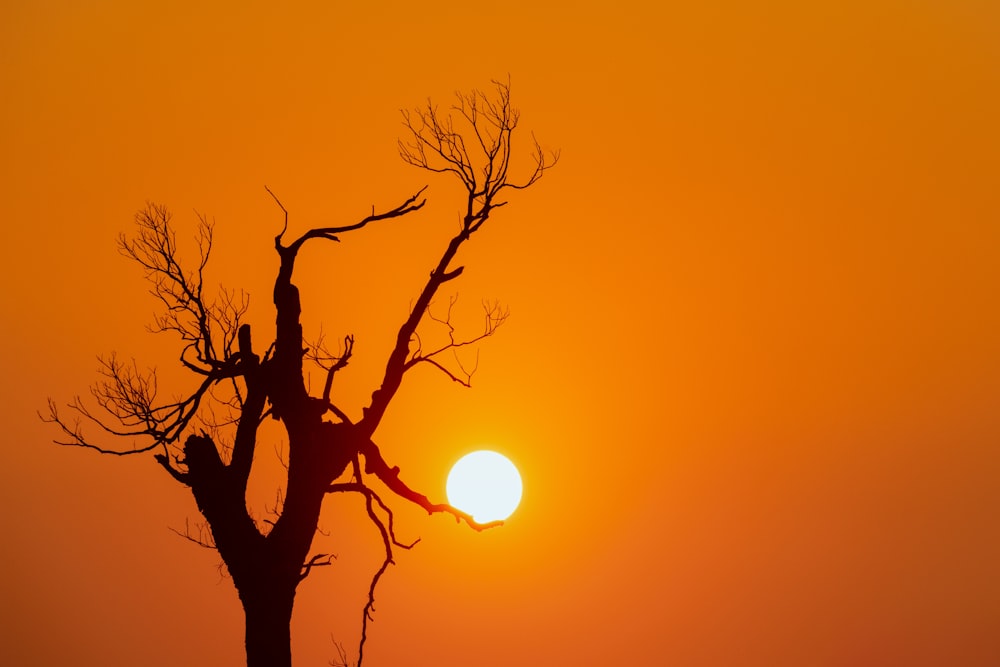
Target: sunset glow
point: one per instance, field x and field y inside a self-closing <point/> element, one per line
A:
<point x="750" y="374"/>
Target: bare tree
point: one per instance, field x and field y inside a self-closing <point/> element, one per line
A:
<point x="236" y="386"/>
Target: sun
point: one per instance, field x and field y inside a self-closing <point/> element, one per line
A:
<point x="484" y="484"/>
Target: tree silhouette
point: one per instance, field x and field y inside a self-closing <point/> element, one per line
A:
<point x="207" y="439"/>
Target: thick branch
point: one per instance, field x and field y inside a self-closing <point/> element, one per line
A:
<point x="396" y="365"/>
<point x="245" y="440"/>
<point x="330" y="233"/>
<point x="376" y="465"/>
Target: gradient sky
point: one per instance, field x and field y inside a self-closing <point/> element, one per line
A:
<point x="751" y="376"/>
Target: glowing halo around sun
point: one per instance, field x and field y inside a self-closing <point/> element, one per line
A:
<point x="484" y="484"/>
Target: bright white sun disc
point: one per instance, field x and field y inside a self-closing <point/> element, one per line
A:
<point x="484" y="484"/>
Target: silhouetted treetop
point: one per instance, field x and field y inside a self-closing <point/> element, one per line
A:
<point x="207" y="439"/>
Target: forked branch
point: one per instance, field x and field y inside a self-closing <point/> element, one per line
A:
<point x="329" y="362"/>
<point x="495" y="316"/>
<point x="388" y="535"/>
<point x="318" y="560"/>
<point x="203" y="538"/>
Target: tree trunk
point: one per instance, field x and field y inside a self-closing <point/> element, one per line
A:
<point x="268" y="626"/>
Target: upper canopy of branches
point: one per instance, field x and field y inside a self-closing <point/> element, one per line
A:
<point x="476" y="148"/>
<point x="473" y="140"/>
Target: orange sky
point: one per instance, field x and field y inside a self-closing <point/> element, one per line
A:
<point x="751" y="376"/>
